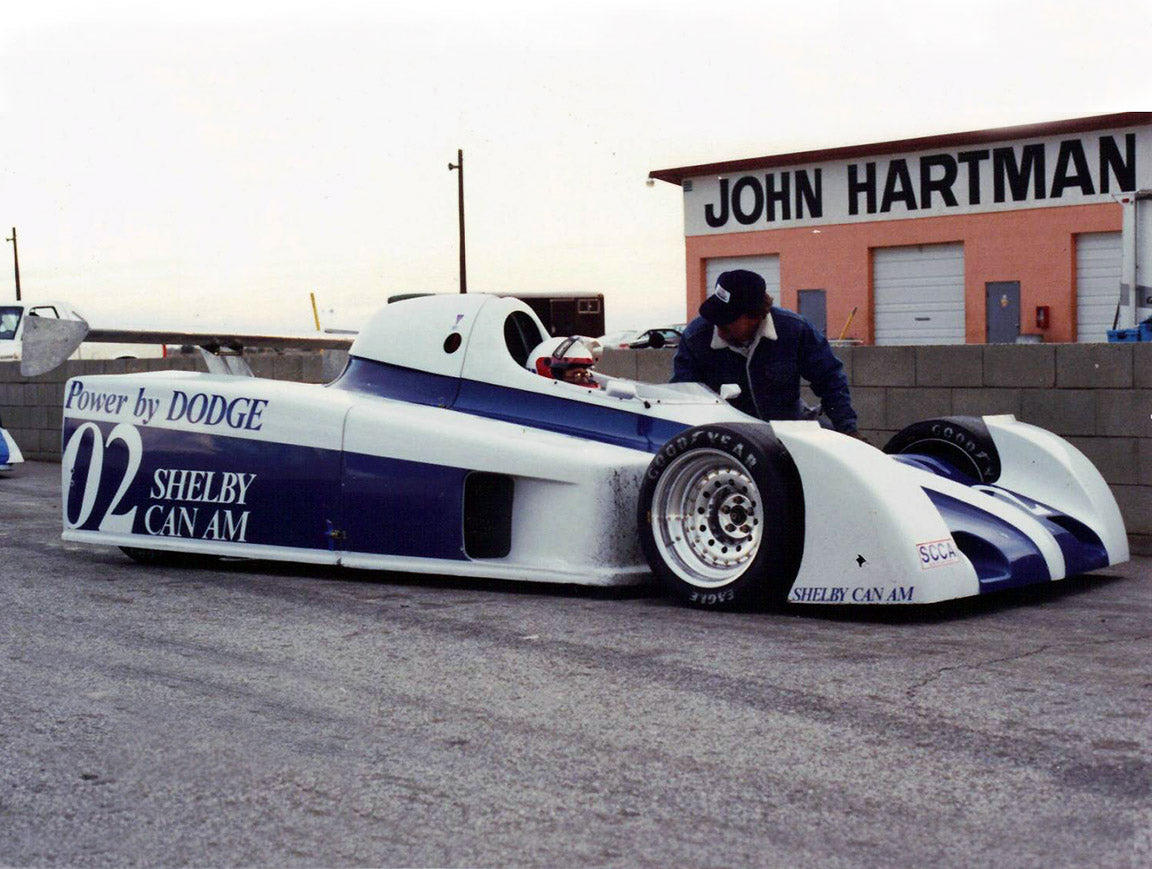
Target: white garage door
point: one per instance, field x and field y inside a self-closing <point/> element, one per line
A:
<point x="767" y="266"/>
<point x="1097" y="284"/>
<point x="919" y="294"/>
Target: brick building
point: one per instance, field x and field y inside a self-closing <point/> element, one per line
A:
<point x="994" y="236"/>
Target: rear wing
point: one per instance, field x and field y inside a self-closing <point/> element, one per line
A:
<point x="48" y="343"/>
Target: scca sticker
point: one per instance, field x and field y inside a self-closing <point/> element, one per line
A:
<point x="937" y="553"/>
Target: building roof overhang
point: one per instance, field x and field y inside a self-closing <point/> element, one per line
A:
<point x="924" y="143"/>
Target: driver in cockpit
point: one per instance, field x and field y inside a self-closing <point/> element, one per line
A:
<point x="568" y="359"/>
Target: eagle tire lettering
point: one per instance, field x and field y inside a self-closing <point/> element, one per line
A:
<point x="712" y="598"/>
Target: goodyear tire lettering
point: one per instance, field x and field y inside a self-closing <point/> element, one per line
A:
<point x="961" y="442"/>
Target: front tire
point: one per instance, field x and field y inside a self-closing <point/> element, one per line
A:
<point x="960" y="442"/>
<point x="721" y="516"/>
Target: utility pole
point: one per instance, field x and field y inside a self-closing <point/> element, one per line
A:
<point x="459" y="166"/>
<point x="16" y="259"/>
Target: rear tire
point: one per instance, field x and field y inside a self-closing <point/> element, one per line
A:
<point x="961" y="442"/>
<point x="721" y="516"/>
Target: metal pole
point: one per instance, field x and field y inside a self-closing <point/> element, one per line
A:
<point x="1140" y="266"/>
<point x="459" y="166"/>
<point x="15" y="261"/>
<point x="315" y="313"/>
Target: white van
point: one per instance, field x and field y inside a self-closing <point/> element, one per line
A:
<point x="14" y="314"/>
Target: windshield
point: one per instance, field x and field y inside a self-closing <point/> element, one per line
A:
<point x="676" y="393"/>
<point x="9" y="320"/>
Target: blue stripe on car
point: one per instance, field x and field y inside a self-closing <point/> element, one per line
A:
<point x="402" y="384"/>
<point x="934" y="466"/>
<point x="585" y="420"/>
<point x="1002" y="555"/>
<point x="1080" y="545"/>
<point x="552" y="413"/>
<point x="298" y="496"/>
<point x="397" y="507"/>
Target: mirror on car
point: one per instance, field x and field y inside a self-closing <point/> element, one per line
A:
<point x="729" y="391"/>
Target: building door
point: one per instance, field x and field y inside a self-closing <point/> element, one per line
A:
<point x="813" y="307"/>
<point x="919" y="294"/>
<point x="1002" y="311"/>
<point x="1098" y="264"/>
<point x="765" y="265"/>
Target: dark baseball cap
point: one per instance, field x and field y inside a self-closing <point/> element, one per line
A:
<point x="737" y="292"/>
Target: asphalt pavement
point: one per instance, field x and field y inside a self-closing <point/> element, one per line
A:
<point x="262" y="714"/>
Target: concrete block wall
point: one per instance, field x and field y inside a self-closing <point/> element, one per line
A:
<point x="1098" y="396"/>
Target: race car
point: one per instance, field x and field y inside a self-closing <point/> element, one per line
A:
<point x="441" y="449"/>
<point x="9" y="453"/>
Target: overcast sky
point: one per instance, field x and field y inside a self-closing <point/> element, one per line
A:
<point x="217" y="164"/>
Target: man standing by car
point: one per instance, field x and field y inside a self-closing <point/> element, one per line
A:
<point x="741" y="338"/>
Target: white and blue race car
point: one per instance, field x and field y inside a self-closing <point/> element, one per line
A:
<point x="9" y="453"/>
<point x="438" y="451"/>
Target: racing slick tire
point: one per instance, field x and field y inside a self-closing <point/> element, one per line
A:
<point x="961" y="442"/>
<point x="721" y="516"/>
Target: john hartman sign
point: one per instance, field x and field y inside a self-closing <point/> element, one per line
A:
<point x="1089" y="168"/>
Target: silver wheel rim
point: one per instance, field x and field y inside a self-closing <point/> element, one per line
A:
<point x="707" y="518"/>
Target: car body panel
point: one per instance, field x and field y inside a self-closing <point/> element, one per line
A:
<point x="9" y="453"/>
<point x="862" y="541"/>
<point x="1053" y="472"/>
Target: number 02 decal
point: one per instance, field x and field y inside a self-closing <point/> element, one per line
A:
<point x="130" y="437"/>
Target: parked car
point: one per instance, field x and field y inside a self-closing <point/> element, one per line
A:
<point x="617" y="340"/>
<point x="14" y="316"/>
<point x="664" y="336"/>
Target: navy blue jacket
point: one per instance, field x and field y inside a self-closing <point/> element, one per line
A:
<point x="770" y="381"/>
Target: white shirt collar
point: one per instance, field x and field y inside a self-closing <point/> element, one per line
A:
<point x="767" y="330"/>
